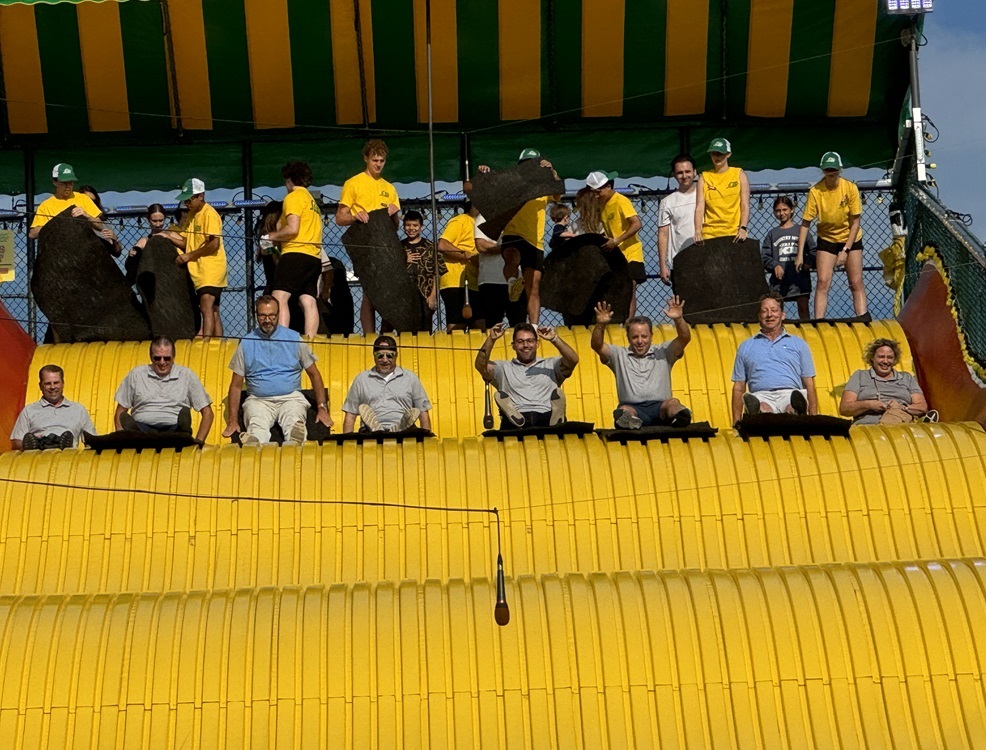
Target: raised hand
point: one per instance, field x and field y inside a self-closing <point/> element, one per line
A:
<point x="675" y="307"/>
<point x="547" y="333"/>
<point x="604" y="313"/>
<point x="497" y="331"/>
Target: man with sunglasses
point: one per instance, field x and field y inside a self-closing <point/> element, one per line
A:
<point x="387" y="398"/>
<point x="160" y="397"/>
<point x="528" y="387"/>
<point x="270" y="360"/>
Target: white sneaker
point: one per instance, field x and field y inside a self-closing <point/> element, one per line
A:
<point x="297" y="433"/>
<point x="369" y="418"/>
<point x="247" y="438"/>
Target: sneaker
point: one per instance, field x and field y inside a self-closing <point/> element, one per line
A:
<point x="66" y="440"/>
<point x="128" y="423"/>
<point x="247" y="438"/>
<point x="408" y="420"/>
<point x="297" y="433"/>
<point x="30" y="442"/>
<point x="931" y="416"/>
<point x="515" y="289"/>
<point x="627" y="421"/>
<point x="369" y="418"/>
<point x="185" y="420"/>
<point x="751" y="404"/>
<point x="509" y="410"/>
<point x="557" y="408"/>
<point x="799" y="403"/>
<point x="682" y="418"/>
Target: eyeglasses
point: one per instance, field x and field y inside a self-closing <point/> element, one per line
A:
<point x="525" y="341"/>
<point x="266" y="316"/>
<point x="384" y="355"/>
<point x="161" y="359"/>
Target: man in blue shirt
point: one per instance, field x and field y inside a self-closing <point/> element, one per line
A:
<point x="776" y="367"/>
<point x="270" y="359"/>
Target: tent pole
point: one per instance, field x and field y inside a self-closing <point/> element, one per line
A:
<point x="917" y="119"/>
<point x="251" y="281"/>
<point x="431" y="162"/>
<point x="29" y="190"/>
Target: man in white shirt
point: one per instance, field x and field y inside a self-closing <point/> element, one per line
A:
<point x="676" y="216"/>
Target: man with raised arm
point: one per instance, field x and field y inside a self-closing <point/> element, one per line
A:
<point x="776" y="367"/>
<point x="528" y="387"/>
<point x="270" y="360"/>
<point x="642" y="370"/>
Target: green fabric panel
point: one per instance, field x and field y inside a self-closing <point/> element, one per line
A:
<point x="546" y="61"/>
<point x="644" y="63"/>
<point x="714" y="80"/>
<point x="887" y="88"/>
<point x="393" y="61"/>
<point x="146" y="68"/>
<point x="12" y="174"/>
<point x="229" y="67"/>
<point x="811" y="51"/>
<point x="561" y="92"/>
<point x="478" y="38"/>
<point x="311" y="45"/>
<point x="61" y="70"/>
<point x="737" y="43"/>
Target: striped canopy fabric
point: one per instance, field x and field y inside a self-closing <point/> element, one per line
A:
<point x="632" y="73"/>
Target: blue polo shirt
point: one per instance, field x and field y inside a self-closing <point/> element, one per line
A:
<point x="768" y="365"/>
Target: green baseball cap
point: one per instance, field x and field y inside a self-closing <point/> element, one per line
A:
<point x="831" y="160"/>
<point x="720" y="145"/>
<point x="63" y="173"/>
<point x="192" y="186"/>
<point x="529" y="153"/>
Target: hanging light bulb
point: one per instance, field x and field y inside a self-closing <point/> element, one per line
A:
<point x="501" y="613"/>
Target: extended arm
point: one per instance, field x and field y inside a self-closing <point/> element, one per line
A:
<point x="205" y="424"/>
<point x="348" y="422"/>
<point x="742" y="234"/>
<point x="604" y="314"/>
<point x="675" y="311"/>
<point x="451" y="252"/>
<point x="663" y="235"/>
<point x="322" y="407"/>
<point x="425" y="420"/>
<point x="853" y="231"/>
<point x="802" y="238"/>
<point x="233" y="405"/>
<point x="288" y="232"/>
<point x="739" y="388"/>
<point x="483" y="364"/>
<point x="809" y="385"/>
<point x="209" y="247"/>
<point x="569" y="357"/>
<point x="116" y="417"/>
<point x="699" y="209"/>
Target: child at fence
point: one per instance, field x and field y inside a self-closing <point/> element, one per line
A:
<point x="779" y="252"/>
<point x="561" y="215"/>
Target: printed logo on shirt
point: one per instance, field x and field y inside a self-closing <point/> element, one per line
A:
<point x="844" y="203"/>
<point x="732" y="184"/>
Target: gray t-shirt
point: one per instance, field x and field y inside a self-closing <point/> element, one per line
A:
<point x="677" y="211"/>
<point x="390" y="398"/>
<point x="640" y="379"/>
<point x="155" y="400"/>
<point x="529" y="387"/>
<point x="43" y="418"/>
<point x="868" y="386"/>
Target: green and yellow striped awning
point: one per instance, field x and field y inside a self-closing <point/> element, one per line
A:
<point x="786" y="79"/>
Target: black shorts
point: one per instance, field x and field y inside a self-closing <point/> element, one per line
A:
<point x="215" y="291"/>
<point x="495" y="305"/>
<point x="824" y="246"/>
<point x="453" y="298"/>
<point x="530" y="256"/>
<point x="636" y="271"/>
<point x="649" y="412"/>
<point x="794" y="284"/>
<point x="298" y="274"/>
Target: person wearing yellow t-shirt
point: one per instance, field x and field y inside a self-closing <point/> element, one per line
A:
<point x="201" y="243"/>
<point x="361" y="194"/>
<point x="522" y="241"/>
<point x="299" y="232"/>
<point x="722" y="200"/>
<point x="63" y="178"/>
<point x="458" y="247"/>
<point x="835" y="202"/>
<point x="621" y="225"/>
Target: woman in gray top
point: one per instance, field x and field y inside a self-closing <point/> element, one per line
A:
<point x="881" y="393"/>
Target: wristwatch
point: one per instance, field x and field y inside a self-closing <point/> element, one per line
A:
<point x="323" y="406"/>
<point x="743" y="228"/>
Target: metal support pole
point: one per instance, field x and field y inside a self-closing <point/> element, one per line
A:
<point x="431" y="161"/>
<point x="251" y="282"/>
<point x="29" y="189"/>
<point x="917" y="120"/>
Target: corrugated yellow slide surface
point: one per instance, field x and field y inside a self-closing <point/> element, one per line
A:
<point x="721" y="593"/>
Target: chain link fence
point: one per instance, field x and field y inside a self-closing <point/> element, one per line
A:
<point x="246" y="275"/>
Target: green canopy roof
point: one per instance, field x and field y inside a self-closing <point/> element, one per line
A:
<point x="621" y="84"/>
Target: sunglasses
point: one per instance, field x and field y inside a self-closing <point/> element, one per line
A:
<point x="161" y="359"/>
<point x="384" y="355"/>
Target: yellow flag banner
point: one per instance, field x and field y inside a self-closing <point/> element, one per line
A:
<point x="7" y="257"/>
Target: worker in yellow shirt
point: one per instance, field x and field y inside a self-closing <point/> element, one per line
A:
<point x="722" y="203"/>
<point x="621" y="225"/>
<point x="835" y="202"/>
<point x="63" y="178"/>
<point x="458" y="247"/>
<point x="299" y="232"/>
<point x="201" y="243"/>
<point x="361" y="194"/>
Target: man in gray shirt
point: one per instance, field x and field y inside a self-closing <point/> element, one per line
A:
<point x="53" y="421"/>
<point x="643" y="371"/>
<point x="528" y="387"/>
<point x="386" y="397"/>
<point x="159" y="397"/>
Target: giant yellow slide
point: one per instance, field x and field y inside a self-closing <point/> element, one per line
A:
<point x="802" y="592"/>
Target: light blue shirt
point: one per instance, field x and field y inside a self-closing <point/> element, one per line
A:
<point x="272" y="364"/>
<point x="768" y="365"/>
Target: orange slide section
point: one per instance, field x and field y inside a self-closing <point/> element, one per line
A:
<point x="937" y="350"/>
<point x="16" y="348"/>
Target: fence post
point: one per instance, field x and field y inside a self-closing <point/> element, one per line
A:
<point x="251" y="282"/>
<point x="32" y="313"/>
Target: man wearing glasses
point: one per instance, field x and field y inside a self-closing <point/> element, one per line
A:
<point x="528" y="387"/>
<point x="270" y="360"/>
<point x="387" y="398"/>
<point x="160" y="397"/>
